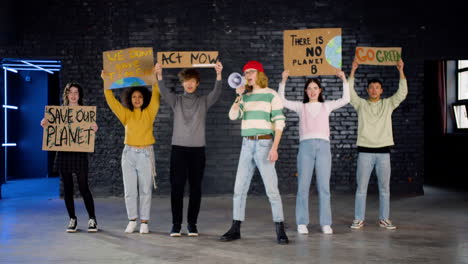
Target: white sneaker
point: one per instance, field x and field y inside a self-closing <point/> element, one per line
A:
<point x="357" y="224"/>
<point x="387" y="224"/>
<point x="144" y="228"/>
<point x="131" y="227"/>
<point x="302" y="229"/>
<point x="326" y="229"/>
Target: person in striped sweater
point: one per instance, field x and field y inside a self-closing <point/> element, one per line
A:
<point x="261" y="112"/>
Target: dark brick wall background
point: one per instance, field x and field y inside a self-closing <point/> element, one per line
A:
<point x="77" y="32"/>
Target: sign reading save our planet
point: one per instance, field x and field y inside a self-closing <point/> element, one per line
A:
<point x="378" y="56"/>
<point x="312" y="51"/>
<point x="69" y="128"/>
<point x="128" y="67"/>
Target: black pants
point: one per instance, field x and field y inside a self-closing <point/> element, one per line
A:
<point x="186" y="163"/>
<point x="84" y="190"/>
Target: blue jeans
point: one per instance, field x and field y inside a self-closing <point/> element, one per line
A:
<point x="255" y="153"/>
<point x="138" y="179"/>
<point x="365" y="165"/>
<point x="313" y="153"/>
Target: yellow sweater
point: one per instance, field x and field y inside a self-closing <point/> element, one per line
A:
<point x="138" y="124"/>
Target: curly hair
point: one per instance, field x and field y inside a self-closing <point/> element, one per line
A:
<point x="66" y="91"/>
<point x="126" y="96"/>
<point x="306" y="97"/>
<point x="187" y="74"/>
<point x="262" y="81"/>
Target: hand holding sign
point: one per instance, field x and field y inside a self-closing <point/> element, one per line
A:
<point x="340" y="74"/>
<point x="400" y="65"/>
<point x="285" y="76"/>
<point x="218" y="68"/>
<point x="158" y="71"/>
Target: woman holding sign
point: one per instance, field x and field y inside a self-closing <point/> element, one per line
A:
<point x="314" y="148"/>
<point x="137" y="114"/>
<point x="67" y="163"/>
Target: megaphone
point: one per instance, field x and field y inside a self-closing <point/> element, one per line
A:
<point x="235" y="80"/>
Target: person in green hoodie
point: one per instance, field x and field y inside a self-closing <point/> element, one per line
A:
<point x="375" y="137"/>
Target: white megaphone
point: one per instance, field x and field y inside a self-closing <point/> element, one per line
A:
<point x="235" y="80"/>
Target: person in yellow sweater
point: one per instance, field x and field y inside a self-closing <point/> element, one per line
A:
<point x="137" y="113"/>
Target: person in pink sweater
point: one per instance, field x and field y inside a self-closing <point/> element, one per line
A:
<point x="314" y="147"/>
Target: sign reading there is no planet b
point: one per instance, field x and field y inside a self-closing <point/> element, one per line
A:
<point x="312" y="51"/>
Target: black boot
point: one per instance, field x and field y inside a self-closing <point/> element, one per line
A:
<point x="281" y="236"/>
<point x="233" y="233"/>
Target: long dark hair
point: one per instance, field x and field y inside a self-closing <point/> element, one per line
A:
<point x="126" y="96"/>
<point x="66" y="91"/>
<point x="316" y="81"/>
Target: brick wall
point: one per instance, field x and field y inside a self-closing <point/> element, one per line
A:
<point x="77" y="33"/>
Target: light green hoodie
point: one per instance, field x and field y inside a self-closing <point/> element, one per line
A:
<point x="375" y="118"/>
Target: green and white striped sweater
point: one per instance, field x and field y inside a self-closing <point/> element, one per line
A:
<point x="261" y="112"/>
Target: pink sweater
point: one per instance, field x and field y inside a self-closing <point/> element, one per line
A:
<point x="313" y="117"/>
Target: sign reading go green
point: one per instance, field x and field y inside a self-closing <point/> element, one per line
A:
<point x="378" y="56"/>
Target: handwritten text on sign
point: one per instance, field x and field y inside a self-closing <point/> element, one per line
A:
<point x="312" y="51"/>
<point x="69" y="128"/>
<point x="378" y="56"/>
<point x="128" y="67"/>
<point x="187" y="59"/>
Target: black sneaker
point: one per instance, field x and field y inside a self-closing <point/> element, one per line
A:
<point x="233" y="233"/>
<point x="175" y="231"/>
<point x="72" y="225"/>
<point x="192" y="230"/>
<point x="92" y="225"/>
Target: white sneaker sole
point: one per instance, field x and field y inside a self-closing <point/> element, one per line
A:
<point x="388" y="228"/>
<point x="92" y="230"/>
<point x="175" y="234"/>
<point x="192" y="234"/>
<point x="71" y="230"/>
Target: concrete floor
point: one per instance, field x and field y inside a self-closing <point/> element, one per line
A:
<point x="431" y="229"/>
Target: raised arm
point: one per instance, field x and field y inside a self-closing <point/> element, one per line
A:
<point x="153" y="106"/>
<point x="402" y="92"/>
<point x="116" y="107"/>
<point x="213" y="96"/>
<point x="335" y="104"/>
<point x="166" y="94"/>
<point x="292" y="105"/>
<point x="354" y="97"/>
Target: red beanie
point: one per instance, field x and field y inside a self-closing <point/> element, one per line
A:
<point x="253" y="65"/>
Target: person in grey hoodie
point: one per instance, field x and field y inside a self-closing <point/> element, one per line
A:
<point x="188" y="142"/>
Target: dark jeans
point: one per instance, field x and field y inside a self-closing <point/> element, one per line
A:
<point x="84" y="190"/>
<point x="186" y="163"/>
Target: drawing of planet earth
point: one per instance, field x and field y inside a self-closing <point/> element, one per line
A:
<point x="333" y="52"/>
<point x="127" y="82"/>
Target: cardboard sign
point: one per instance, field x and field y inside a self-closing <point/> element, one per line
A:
<point x="312" y="51"/>
<point x="378" y="56"/>
<point x="187" y="59"/>
<point x="128" y="67"/>
<point x="69" y="128"/>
